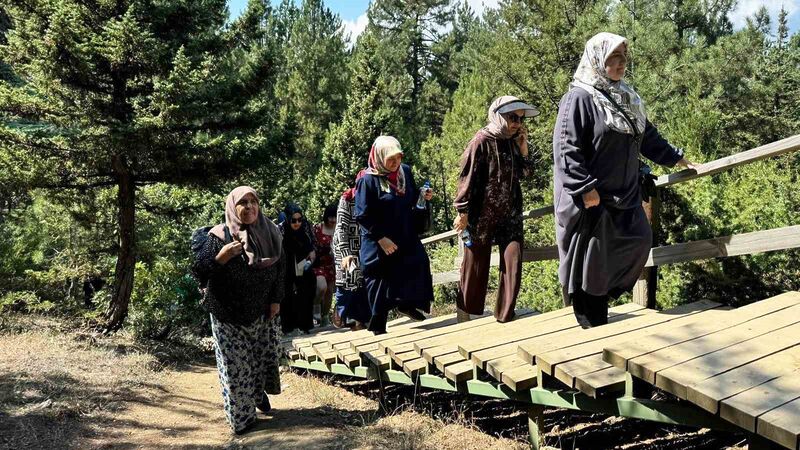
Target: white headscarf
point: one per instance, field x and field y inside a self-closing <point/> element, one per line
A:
<point x="591" y="76"/>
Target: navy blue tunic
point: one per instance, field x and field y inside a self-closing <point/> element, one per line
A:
<point x="602" y="250"/>
<point x="404" y="277"/>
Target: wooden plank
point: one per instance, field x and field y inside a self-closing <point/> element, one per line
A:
<point x="466" y="330"/>
<point x="745" y="408"/>
<point x="568" y="372"/>
<point x="328" y="358"/>
<point x="610" y="380"/>
<point x="343" y="353"/>
<point x="646" y="367"/>
<point x="402" y="358"/>
<point x="520" y="329"/>
<point x="293" y="355"/>
<point x="399" y="348"/>
<point x="618" y="355"/>
<point x="379" y="360"/>
<point x="520" y="378"/>
<point x="739" y="244"/>
<point x="452" y="327"/>
<point x="496" y="367"/>
<point x="428" y="324"/>
<point x="352" y="360"/>
<point x="782" y="424"/>
<point x="529" y="348"/>
<point x="773" y="149"/>
<point x="708" y="393"/>
<point x="415" y="367"/>
<point x="484" y="358"/>
<point x="445" y="360"/>
<point x="632" y="329"/>
<point x="431" y="354"/>
<point x="459" y="372"/>
<point x="344" y="334"/>
<point x="675" y="379"/>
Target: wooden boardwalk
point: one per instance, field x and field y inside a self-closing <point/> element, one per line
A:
<point x="739" y="365"/>
<point x="744" y="367"/>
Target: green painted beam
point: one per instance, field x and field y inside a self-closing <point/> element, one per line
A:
<point x="671" y="413"/>
<point x="396" y="376"/>
<point x="434" y="382"/>
<point x="627" y="406"/>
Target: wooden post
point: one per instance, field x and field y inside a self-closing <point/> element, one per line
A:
<point x="644" y="292"/>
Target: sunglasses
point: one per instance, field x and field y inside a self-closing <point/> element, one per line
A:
<point x="297" y="220"/>
<point x="513" y="118"/>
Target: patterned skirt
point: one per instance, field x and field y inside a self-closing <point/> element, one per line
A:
<point x="247" y="361"/>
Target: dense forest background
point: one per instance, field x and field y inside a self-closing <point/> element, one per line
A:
<point x="124" y="124"/>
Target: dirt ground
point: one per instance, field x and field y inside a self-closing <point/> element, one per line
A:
<point x="62" y="388"/>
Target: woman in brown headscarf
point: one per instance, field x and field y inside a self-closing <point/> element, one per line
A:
<point x="489" y="204"/>
<point x="243" y="264"/>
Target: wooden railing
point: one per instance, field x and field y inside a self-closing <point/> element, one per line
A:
<point x="735" y="245"/>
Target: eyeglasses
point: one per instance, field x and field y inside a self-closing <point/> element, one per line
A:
<point x="247" y="203"/>
<point x="515" y="118"/>
<point x="297" y="220"/>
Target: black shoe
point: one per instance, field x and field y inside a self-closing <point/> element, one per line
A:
<point x="411" y="313"/>
<point x="262" y="403"/>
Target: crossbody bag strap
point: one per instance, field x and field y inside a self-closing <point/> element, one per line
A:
<point x="621" y="111"/>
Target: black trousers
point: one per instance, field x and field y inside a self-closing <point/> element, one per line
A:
<point x="590" y="310"/>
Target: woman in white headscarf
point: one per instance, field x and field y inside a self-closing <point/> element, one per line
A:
<point x="489" y="204"/>
<point x="242" y="261"/>
<point x="396" y="269"/>
<point x="602" y="233"/>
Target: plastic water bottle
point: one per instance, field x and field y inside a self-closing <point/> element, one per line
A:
<point x="421" y="202"/>
<point x="466" y="238"/>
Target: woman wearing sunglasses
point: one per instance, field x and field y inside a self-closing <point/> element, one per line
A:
<point x="298" y="245"/>
<point x="396" y="269"/>
<point x="602" y="232"/>
<point x="489" y="204"/>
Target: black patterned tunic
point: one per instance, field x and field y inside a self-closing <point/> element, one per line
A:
<point x="346" y="242"/>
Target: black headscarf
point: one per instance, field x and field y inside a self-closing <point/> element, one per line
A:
<point x="297" y="243"/>
<point x="330" y="211"/>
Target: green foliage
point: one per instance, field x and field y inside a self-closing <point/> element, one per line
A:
<point x="180" y="105"/>
<point x="24" y="301"/>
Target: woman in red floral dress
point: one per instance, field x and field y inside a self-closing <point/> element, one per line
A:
<point x="324" y="269"/>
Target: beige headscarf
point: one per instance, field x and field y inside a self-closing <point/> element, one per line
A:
<point x="591" y="76"/>
<point x="385" y="147"/>
<point x="497" y="125"/>
<point x="262" y="239"/>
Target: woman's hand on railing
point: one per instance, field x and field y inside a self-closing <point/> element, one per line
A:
<point x="460" y="222"/>
<point x="686" y="164"/>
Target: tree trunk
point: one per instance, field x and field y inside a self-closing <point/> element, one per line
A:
<point x="126" y="254"/>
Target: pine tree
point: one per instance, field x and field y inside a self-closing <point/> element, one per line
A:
<point x="126" y="94"/>
<point x="312" y="91"/>
<point x="372" y="110"/>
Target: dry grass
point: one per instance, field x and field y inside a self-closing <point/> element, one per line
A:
<point x="54" y="383"/>
<point x="411" y="430"/>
